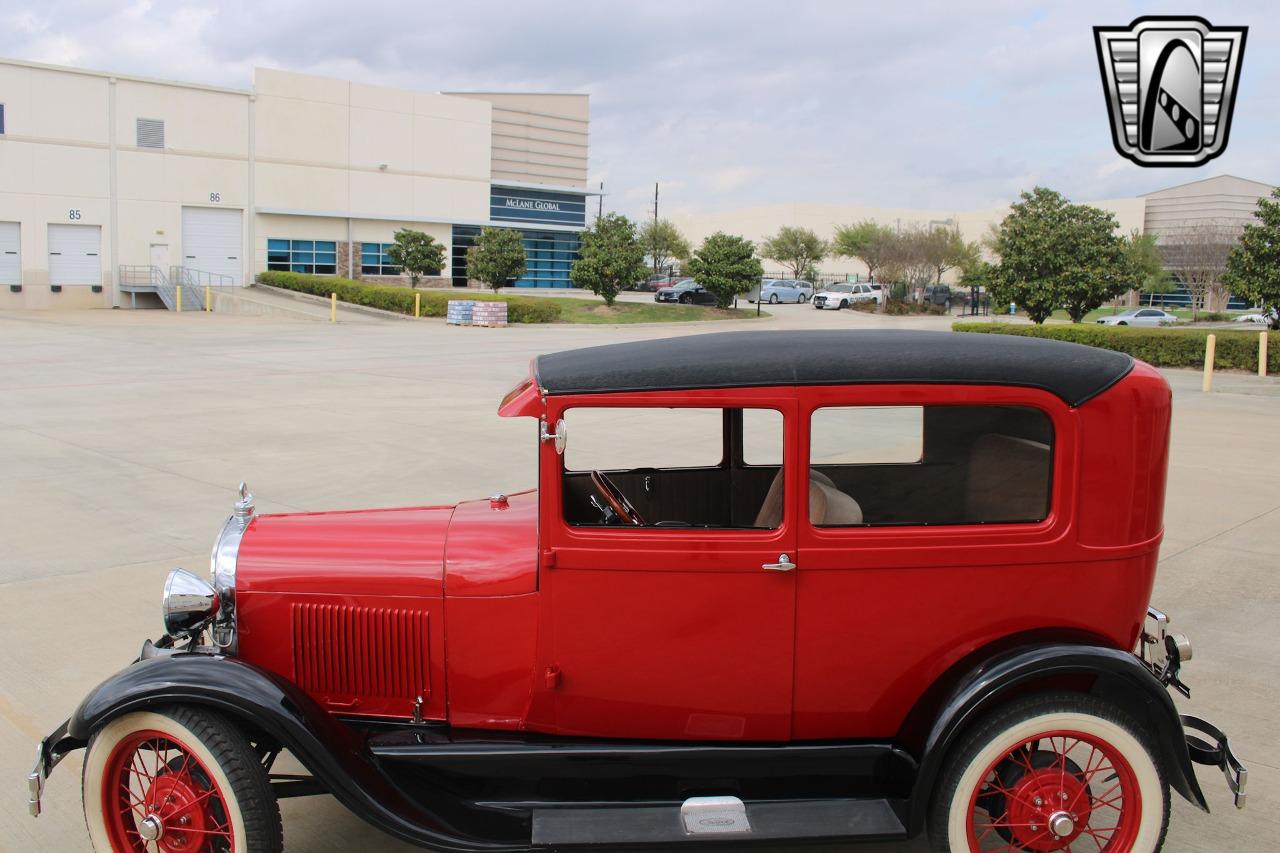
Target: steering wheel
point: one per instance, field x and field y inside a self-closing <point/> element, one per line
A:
<point x="616" y="500"/>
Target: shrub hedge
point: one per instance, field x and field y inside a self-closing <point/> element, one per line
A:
<point x="435" y="303"/>
<point x="1160" y="347"/>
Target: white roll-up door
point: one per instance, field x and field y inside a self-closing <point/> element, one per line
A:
<point x="75" y="254"/>
<point x="211" y="241"/>
<point x="10" y="254"/>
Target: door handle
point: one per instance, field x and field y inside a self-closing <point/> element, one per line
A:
<point x="784" y="564"/>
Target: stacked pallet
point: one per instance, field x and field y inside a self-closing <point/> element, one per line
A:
<point x="489" y="314"/>
<point x="459" y="312"/>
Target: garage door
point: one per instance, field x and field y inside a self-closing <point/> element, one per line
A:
<point x="75" y="254"/>
<point x="211" y="241"/>
<point x="10" y="254"/>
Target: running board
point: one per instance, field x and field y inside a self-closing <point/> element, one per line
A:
<point x="721" y="819"/>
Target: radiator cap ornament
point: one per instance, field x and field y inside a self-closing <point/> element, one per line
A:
<point x="244" y="509"/>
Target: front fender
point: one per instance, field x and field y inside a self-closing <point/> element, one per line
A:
<point x="1115" y="675"/>
<point x="334" y="753"/>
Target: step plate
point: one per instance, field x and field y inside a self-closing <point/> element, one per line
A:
<point x="835" y="819"/>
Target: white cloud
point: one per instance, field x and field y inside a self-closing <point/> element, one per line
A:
<point x="927" y="104"/>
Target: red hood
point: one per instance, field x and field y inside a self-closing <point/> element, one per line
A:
<point x="365" y="552"/>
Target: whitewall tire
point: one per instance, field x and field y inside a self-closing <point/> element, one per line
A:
<point x="1052" y="772"/>
<point x="176" y="779"/>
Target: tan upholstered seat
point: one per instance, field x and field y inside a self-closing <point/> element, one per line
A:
<point x="827" y="504"/>
<point x="1008" y="479"/>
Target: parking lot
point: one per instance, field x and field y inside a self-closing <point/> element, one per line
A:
<point x="124" y="434"/>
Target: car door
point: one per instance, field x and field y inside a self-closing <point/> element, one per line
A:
<point x="674" y="633"/>
<point x="1148" y="317"/>
<point x="702" y="296"/>
<point x="955" y="513"/>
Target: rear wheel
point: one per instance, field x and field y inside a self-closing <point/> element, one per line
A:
<point x="1054" y="772"/>
<point x="184" y="780"/>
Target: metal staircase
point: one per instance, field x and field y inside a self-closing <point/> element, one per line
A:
<point x="178" y="283"/>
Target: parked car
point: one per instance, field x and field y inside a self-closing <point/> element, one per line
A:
<point x="775" y="290"/>
<point x="774" y="646"/>
<point x="1266" y="318"/>
<point x="686" y="292"/>
<point x="654" y="282"/>
<point x="842" y="295"/>
<point x="1140" y="317"/>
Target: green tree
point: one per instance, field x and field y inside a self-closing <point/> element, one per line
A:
<point x="944" y="249"/>
<point x="797" y="249"/>
<point x="417" y="254"/>
<point x="610" y="258"/>
<point x="870" y="242"/>
<point x="726" y="265"/>
<point x="1055" y="254"/>
<point x="1148" y="267"/>
<point x="497" y="258"/>
<point x="1253" y="269"/>
<point x="662" y="241"/>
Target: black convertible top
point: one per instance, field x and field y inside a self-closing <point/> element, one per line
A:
<point x="1072" y="372"/>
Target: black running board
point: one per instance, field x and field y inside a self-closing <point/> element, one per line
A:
<point x="808" y="820"/>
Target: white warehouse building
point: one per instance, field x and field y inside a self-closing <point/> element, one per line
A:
<point x="111" y="184"/>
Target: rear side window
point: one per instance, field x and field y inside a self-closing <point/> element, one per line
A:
<point x="929" y="465"/>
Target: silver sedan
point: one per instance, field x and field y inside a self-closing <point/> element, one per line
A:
<point x="1140" y="317"/>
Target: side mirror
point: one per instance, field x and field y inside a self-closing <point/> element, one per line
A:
<point x="560" y="436"/>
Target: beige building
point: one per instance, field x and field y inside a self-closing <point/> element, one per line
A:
<point x="114" y="187"/>
<point x="1224" y="198"/>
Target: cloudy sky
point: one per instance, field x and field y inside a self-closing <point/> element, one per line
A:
<point x="949" y="105"/>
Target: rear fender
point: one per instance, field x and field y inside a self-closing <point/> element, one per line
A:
<point x="263" y="702"/>
<point x="1106" y="672"/>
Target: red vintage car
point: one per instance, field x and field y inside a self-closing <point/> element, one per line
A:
<point x="889" y="583"/>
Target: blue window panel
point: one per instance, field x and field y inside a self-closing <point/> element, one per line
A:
<point x="326" y="246"/>
<point x="312" y="257"/>
<point x="277" y="245"/>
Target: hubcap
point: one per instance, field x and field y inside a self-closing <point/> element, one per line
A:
<point x="151" y="828"/>
<point x="1061" y="824"/>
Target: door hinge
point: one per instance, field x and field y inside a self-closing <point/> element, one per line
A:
<point x="552" y="677"/>
<point x="548" y="558"/>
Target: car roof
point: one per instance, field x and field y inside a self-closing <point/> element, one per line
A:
<point x="1072" y="372"/>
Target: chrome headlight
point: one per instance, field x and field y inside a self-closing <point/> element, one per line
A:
<point x="188" y="605"/>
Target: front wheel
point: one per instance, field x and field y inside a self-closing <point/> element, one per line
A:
<point x="773" y="299"/>
<point x="184" y="779"/>
<point x="686" y="299"/>
<point x="1053" y="772"/>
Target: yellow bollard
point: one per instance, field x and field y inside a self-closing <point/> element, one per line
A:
<point x="417" y="305"/>
<point x="1262" y="353"/>
<point x="208" y="299"/>
<point x="179" y="299"/>
<point x="1210" y="347"/>
<point x="333" y="307"/>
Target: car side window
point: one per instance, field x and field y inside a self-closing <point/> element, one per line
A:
<point x="929" y="465"/>
<point x="674" y="467"/>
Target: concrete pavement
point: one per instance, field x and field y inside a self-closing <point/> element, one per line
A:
<point x="124" y="434"/>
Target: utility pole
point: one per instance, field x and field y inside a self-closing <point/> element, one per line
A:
<point x="655" y="224"/>
<point x="600" y="202"/>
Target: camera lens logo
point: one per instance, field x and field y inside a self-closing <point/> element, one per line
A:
<point x="1171" y="86"/>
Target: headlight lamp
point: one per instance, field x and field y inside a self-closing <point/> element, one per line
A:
<point x="189" y="603"/>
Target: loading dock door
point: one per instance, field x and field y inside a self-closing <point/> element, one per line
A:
<point x="10" y="254"/>
<point x="75" y="254"/>
<point x="211" y="241"/>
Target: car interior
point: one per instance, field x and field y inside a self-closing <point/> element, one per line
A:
<point x="869" y="466"/>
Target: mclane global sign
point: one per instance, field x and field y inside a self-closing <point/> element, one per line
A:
<point x="533" y="204"/>
<point x="541" y="206"/>
<point x="1171" y="85"/>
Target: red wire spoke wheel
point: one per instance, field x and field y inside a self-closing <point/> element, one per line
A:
<point x="1052" y="772"/>
<point x="158" y="795"/>
<point x="181" y="780"/>
<point x="1051" y="790"/>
